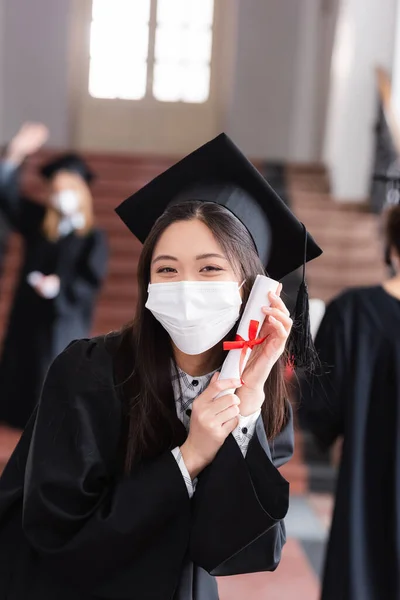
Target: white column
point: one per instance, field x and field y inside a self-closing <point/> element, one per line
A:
<point x="2" y="54"/>
<point x="396" y="66"/>
<point x="364" y="40"/>
<point x="259" y="115"/>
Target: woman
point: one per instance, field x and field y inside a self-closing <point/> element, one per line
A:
<point x="127" y="482"/>
<point x="358" y="397"/>
<point x="64" y="264"/>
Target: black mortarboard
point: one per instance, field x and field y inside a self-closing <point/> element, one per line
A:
<point x="219" y="172"/>
<point x="68" y="162"/>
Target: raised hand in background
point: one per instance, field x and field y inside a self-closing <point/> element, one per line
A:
<point x="27" y="141"/>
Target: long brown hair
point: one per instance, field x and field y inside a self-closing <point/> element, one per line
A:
<point x="147" y="391"/>
<point x="393" y="228"/>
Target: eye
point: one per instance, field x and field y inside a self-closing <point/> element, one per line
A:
<point x="211" y="268"/>
<point x="166" y="270"/>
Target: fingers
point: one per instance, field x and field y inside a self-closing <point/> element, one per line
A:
<point x="220" y="385"/>
<point x="214" y="378"/>
<point x="227" y="415"/>
<point x="277" y="302"/>
<point x="220" y="405"/>
<point x="230" y="426"/>
<point x="279" y="328"/>
<point x="278" y="315"/>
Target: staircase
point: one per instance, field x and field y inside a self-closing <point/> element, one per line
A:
<point x="348" y="234"/>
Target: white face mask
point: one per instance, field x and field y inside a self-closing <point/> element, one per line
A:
<point x="66" y="202"/>
<point x="196" y="314"/>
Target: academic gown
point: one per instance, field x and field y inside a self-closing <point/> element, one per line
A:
<point x="40" y="328"/>
<point x="75" y="526"/>
<point x="358" y="397"/>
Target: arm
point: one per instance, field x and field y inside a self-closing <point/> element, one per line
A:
<point x="20" y="213"/>
<point x="323" y="393"/>
<point x="90" y="522"/>
<point x="239" y="506"/>
<point x="243" y="434"/>
<point x="10" y="198"/>
<point x="84" y="283"/>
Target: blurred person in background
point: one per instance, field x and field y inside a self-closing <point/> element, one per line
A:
<point x="4" y="230"/>
<point x="357" y="398"/>
<point x="64" y="264"/>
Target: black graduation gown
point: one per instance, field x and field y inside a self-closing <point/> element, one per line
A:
<point x="73" y="526"/>
<point x="39" y="328"/>
<point x="4" y="230"/>
<point x="359" y="398"/>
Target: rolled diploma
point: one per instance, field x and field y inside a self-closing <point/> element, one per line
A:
<point x="252" y="312"/>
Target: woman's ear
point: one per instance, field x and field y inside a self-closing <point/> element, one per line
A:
<point x="392" y="259"/>
<point x="395" y="262"/>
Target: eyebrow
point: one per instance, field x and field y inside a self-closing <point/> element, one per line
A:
<point x="203" y="256"/>
<point x="199" y="257"/>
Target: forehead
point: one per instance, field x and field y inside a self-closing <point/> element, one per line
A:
<point x="187" y="238"/>
<point x="63" y="179"/>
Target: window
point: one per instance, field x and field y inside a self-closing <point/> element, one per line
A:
<point x="159" y="48"/>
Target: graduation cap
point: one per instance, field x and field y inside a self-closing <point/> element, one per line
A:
<point x="219" y="172"/>
<point x="68" y="162"/>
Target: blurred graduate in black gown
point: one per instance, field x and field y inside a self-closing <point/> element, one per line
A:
<point x="64" y="264"/>
<point x="358" y="398"/>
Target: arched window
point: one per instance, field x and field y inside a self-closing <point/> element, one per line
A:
<point x="158" y="48"/>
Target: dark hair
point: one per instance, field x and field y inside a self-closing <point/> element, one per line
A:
<point x="393" y="229"/>
<point x="147" y="392"/>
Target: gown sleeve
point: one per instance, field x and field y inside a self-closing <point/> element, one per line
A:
<point x="88" y="524"/>
<point x="21" y="213"/>
<point x="239" y="506"/>
<point x="84" y="282"/>
<point x="323" y="393"/>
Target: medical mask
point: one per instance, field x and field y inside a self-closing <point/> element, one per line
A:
<point x="66" y="202"/>
<point x="196" y="314"/>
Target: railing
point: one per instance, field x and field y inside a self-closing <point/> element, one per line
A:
<point x="387" y="142"/>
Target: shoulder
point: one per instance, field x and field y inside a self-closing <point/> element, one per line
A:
<point x="97" y="235"/>
<point x="86" y="362"/>
<point x="355" y="298"/>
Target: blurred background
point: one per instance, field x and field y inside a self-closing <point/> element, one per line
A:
<point x="308" y="89"/>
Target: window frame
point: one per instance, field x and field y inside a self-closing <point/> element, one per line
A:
<point x="149" y="96"/>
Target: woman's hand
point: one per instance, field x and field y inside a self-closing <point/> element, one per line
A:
<point x="212" y="420"/>
<point x="28" y="140"/>
<point x="46" y="286"/>
<point x="276" y="329"/>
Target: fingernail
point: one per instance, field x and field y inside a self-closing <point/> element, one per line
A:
<point x="272" y="319"/>
<point x="267" y="308"/>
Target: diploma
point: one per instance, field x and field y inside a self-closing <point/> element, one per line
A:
<point x="248" y="330"/>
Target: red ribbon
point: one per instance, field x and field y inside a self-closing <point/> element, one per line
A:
<point x="245" y="345"/>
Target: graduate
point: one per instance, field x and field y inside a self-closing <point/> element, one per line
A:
<point x="63" y="266"/>
<point x="135" y="479"/>
<point x="357" y="397"/>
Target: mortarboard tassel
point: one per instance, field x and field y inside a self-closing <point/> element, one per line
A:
<point x="302" y="352"/>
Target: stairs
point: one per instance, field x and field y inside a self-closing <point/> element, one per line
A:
<point x="347" y="232"/>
